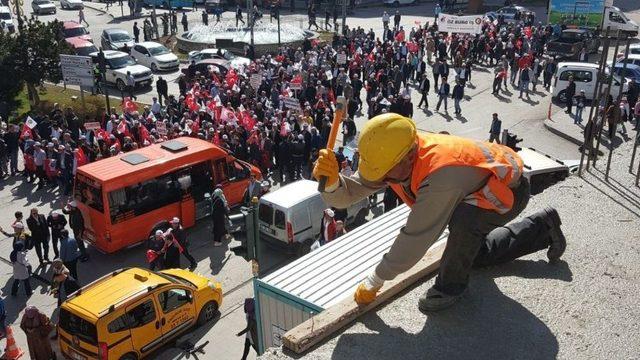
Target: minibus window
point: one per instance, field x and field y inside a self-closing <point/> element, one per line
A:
<point x="265" y="213"/>
<point x="279" y="220"/>
<point x="119" y="324"/>
<point x="173" y="299"/>
<point x="78" y="326"/>
<point x="88" y="194"/>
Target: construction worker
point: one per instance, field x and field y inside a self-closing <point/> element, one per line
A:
<point x="473" y="187"/>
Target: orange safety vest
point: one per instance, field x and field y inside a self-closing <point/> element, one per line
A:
<point x="436" y="151"/>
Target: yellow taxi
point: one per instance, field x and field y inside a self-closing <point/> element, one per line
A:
<point x="131" y="312"/>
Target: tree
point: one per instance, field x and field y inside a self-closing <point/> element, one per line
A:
<point x="32" y="57"/>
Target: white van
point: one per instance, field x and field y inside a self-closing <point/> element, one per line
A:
<point x="615" y="19"/>
<point x="584" y="76"/>
<point x="291" y="215"/>
<point x="6" y="20"/>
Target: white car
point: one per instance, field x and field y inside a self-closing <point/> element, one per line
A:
<point x="397" y="3"/>
<point x="584" y="76"/>
<point x="236" y="62"/>
<point x="71" y="4"/>
<point x="155" y="56"/>
<point x="40" y="7"/>
<point x="6" y="20"/>
<point x="118" y="65"/>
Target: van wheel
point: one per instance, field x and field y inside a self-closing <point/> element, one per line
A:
<point x="209" y="312"/>
<point x="361" y="217"/>
<point x="120" y="84"/>
<point x="304" y="247"/>
<point x="562" y="97"/>
<point x="154" y="68"/>
<point x="129" y="357"/>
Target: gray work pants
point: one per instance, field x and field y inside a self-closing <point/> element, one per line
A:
<point x="479" y="237"/>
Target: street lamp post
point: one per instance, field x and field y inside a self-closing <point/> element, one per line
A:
<point x="344" y="16"/>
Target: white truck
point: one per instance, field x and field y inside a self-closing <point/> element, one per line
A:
<point x="118" y="65"/>
<point x="595" y="14"/>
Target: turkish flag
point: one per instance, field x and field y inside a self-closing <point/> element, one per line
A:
<point x="103" y="134"/>
<point x="26" y="131"/>
<point x="81" y="158"/>
<point x="123" y="128"/>
<point x="216" y="138"/>
<point x="247" y="121"/>
<point x="413" y="47"/>
<point x="231" y="78"/>
<point x="144" y="134"/>
<point x="128" y="105"/>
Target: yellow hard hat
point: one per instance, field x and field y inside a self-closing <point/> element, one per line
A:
<point x="384" y="141"/>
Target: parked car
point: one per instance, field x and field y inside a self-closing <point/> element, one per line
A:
<point x="72" y="29"/>
<point x="631" y="59"/>
<point x="202" y="66"/>
<point x="571" y="42"/>
<point x="634" y="49"/>
<point x="130" y="313"/>
<point x="6" y="20"/>
<point x="290" y="216"/>
<point x="40" y="7"/>
<point x="631" y="71"/>
<point x="81" y="47"/>
<point x="236" y="62"/>
<point x="584" y="76"/>
<point x="118" y="64"/>
<point x="397" y="3"/>
<point x="116" y="39"/>
<point x="71" y="4"/>
<point x="155" y="56"/>
<point x="508" y="13"/>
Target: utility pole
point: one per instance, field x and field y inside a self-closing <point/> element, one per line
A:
<point x="17" y="10"/>
<point x="278" y="18"/>
<point x="344" y="16"/>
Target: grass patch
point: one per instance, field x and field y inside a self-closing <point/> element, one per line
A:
<point x="52" y="94"/>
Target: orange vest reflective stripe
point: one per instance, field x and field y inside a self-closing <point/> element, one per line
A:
<point x="436" y="151"/>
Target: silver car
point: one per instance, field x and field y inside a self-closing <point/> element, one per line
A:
<point x="43" y="7"/>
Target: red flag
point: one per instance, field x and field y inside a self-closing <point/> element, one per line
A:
<point x="216" y="138"/>
<point x="331" y="96"/>
<point x="103" y="134"/>
<point x="81" y="158"/>
<point x="195" y="127"/>
<point x="128" y="105"/>
<point x="26" y="131"/>
<point x="247" y="121"/>
<point x="144" y="134"/>
<point x="123" y="128"/>
<point x="413" y="47"/>
<point x="231" y="78"/>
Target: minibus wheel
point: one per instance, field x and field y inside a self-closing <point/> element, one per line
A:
<point x="208" y="312"/>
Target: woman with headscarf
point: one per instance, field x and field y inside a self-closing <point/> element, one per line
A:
<point x="251" y="331"/>
<point x="172" y="251"/>
<point x="37" y="326"/>
<point x="62" y="283"/>
<point x="21" y="269"/>
<point x="219" y="211"/>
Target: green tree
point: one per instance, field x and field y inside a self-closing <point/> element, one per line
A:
<point x="10" y="86"/>
<point x="32" y="57"/>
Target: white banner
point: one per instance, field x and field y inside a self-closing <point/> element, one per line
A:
<point x="292" y="103"/>
<point x="30" y="122"/>
<point x="161" y="128"/>
<point x="460" y="24"/>
<point x="255" y="81"/>
<point x="92" y="125"/>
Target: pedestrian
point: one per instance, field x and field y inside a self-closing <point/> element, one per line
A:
<point x="495" y="129"/>
<point x="239" y="15"/>
<point x="21" y="269"/>
<point x="499" y="77"/>
<point x="146" y="30"/>
<point x="396" y="21"/>
<point x="548" y="72"/>
<point x="219" y="212"/>
<point x="385" y="20"/>
<point x="468" y="180"/>
<point x="327" y="227"/>
<point x="172" y="251"/>
<point x="178" y="232"/>
<point x="174" y="22"/>
<point x="81" y="18"/>
<point x="340" y="230"/>
<point x="19" y="235"/>
<point x="3" y="319"/>
<point x="443" y="94"/>
<point x="4" y="158"/>
<point x="580" y="101"/>
<point x="636" y="113"/>
<point x="39" y="157"/>
<point x="163" y="89"/>
<point x="136" y="32"/>
<point x="155" y="251"/>
<point x="39" y="229"/>
<point x="131" y="85"/>
<point x="424" y="91"/>
<point x="76" y="222"/>
<point x="254" y="189"/>
<point x="69" y="253"/>
<point x="457" y="95"/>
<point x="251" y="330"/>
<point x="569" y="92"/>
<point x="63" y="283"/>
<point x="311" y="14"/>
<point x="525" y="78"/>
<point x="205" y="18"/>
<point x="37" y="327"/>
<point x="184" y="22"/>
<point x="165" y="24"/>
<point x="327" y="16"/>
<point x="11" y="138"/>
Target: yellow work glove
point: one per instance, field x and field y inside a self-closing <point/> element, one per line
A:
<point x="326" y="165"/>
<point x="368" y="289"/>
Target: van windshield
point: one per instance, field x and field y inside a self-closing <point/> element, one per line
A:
<point x="78" y="326"/>
<point x="265" y="213"/>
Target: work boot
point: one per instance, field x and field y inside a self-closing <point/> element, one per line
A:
<point x="434" y="300"/>
<point x="558" y="241"/>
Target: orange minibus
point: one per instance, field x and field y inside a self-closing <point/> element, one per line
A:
<point x="125" y="198"/>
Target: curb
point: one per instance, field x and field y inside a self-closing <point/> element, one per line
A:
<point x="561" y="133"/>
<point x="102" y="11"/>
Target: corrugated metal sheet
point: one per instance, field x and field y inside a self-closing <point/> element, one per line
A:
<point x="329" y="274"/>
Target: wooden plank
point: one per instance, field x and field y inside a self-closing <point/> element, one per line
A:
<point x="321" y="326"/>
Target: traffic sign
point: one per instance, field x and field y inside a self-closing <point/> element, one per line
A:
<point x="77" y="70"/>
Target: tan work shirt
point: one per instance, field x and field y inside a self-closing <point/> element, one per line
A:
<point x="438" y="196"/>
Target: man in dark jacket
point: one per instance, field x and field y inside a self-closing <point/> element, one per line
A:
<point x="570" y="92"/>
<point x="424" y="91"/>
<point x="443" y="93"/>
<point x="136" y="32"/>
<point x="457" y="95"/>
<point x="37" y="224"/>
<point x="496" y="128"/>
<point x="11" y="139"/>
<point x="162" y="88"/>
<point x="56" y="222"/>
<point x="180" y="235"/>
<point x="76" y="222"/>
<point x="396" y="20"/>
<point x="297" y="155"/>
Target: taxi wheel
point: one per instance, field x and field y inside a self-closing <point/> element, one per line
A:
<point x="209" y="312"/>
<point x="129" y="357"/>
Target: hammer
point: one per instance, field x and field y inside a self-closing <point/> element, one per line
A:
<point x="338" y="115"/>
